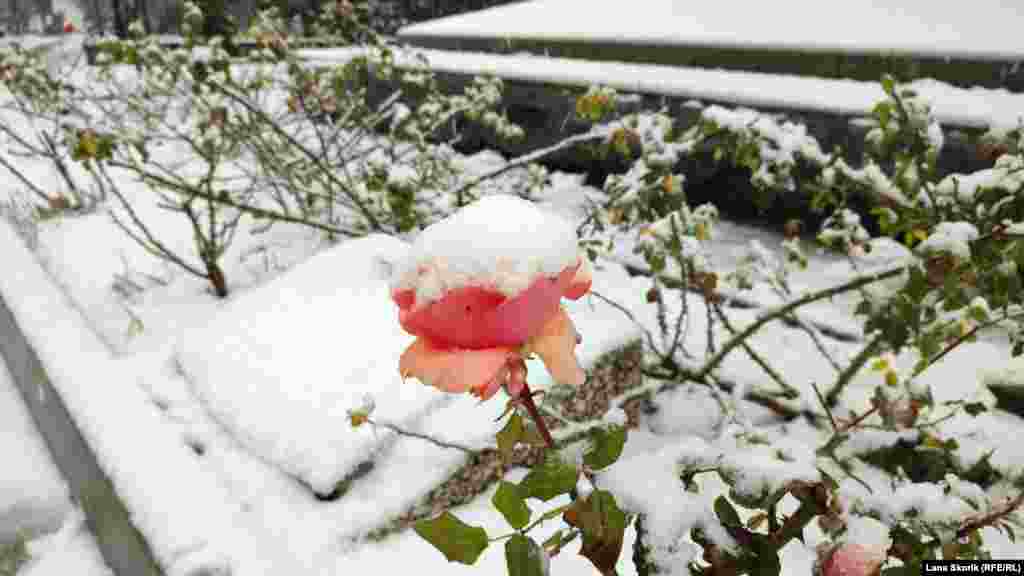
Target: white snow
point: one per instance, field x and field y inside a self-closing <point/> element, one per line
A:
<point x="70" y="550"/>
<point x="342" y="343"/>
<point x="972" y="107"/>
<point x="983" y="30"/>
<point x="1010" y="374"/>
<point x="500" y="241"/>
<point x="952" y="238"/>
<point x="1005" y="175"/>
<point x="113" y="413"/>
<point x="671" y="511"/>
<point x="33" y="496"/>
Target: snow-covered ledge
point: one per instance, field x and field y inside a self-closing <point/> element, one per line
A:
<point x="153" y="509"/>
<point x="855" y="40"/>
<point x="122" y="546"/>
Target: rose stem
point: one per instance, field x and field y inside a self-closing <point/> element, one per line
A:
<point x="526" y="397"/>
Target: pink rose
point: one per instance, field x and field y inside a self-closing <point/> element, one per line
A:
<point x="853" y="560"/>
<point x="473" y="336"/>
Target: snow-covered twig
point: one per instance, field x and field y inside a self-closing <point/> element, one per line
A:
<point x="858" y="361"/>
<point x="782" y="310"/>
<point x="757" y="358"/>
<point x="528" y="158"/>
<point x="426" y="438"/>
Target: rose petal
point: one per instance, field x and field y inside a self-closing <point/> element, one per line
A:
<point x="454" y="370"/>
<point x="475" y="317"/>
<point x="581" y="282"/>
<point x="854" y="560"/>
<point x="404" y="298"/>
<point x="556" y="345"/>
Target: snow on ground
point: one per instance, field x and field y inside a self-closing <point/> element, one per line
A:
<point x="340" y="346"/>
<point x="985" y="29"/>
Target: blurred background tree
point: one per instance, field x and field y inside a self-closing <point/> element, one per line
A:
<point x="223" y="16"/>
<point x="30" y="16"/>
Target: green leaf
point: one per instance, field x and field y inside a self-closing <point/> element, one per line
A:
<point x="532" y="436"/>
<point x="606" y="447"/>
<point x="458" y="541"/>
<point x="727" y="515"/>
<point x="510" y="435"/>
<point x="550" y="478"/>
<point x="560" y="538"/>
<point x="603" y="525"/>
<point x="524" y="557"/>
<point x="768" y="563"/>
<point x="888" y="84"/>
<point x="554" y="512"/>
<point x="509" y="501"/>
<point x="891" y="378"/>
<point x="883" y="111"/>
<point x="863" y="308"/>
<point x="975" y="408"/>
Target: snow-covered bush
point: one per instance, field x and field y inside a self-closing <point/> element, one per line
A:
<point x="32" y="112"/>
<point x="955" y="274"/>
<point x="888" y="464"/>
<point x="251" y="142"/>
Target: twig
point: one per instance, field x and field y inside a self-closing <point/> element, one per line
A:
<point x="780" y="311"/>
<point x="757" y="358"/>
<point x="440" y="443"/>
<point x="993" y="516"/>
<point x="824" y="404"/>
<point x="316" y="160"/>
<point x="24" y="179"/>
<point x="632" y="318"/>
<point x="869" y="349"/>
<point x="531" y="157"/>
<point x="227" y="201"/>
<point x="960" y="340"/>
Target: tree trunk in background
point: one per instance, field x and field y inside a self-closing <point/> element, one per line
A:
<point x="101" y="22"/>
<point x="120" y="29"/>
<point x="14" y="19"/>
<point x="142" y="13"/>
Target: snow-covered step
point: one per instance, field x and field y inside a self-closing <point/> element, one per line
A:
<point x="122" y="546"/>
<point x="953" y="106"/>
<point x="975" y="43"/>
<point x="538" y="96"/>
<point x="33" y="495"/>
<point x="153" y="509"/>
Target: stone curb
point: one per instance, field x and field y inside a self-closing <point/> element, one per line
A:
<point x="122" y="546"/>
